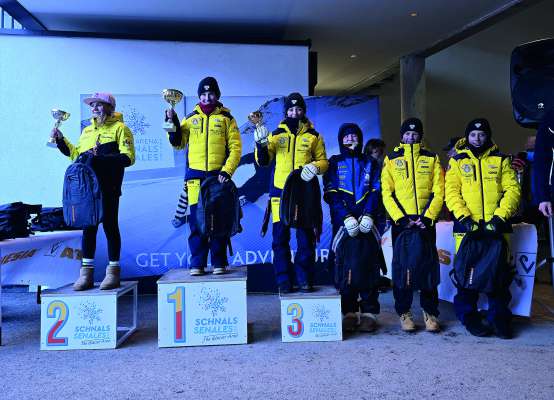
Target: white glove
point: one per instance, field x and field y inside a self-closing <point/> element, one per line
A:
<point x="308" y="172"/>
<point x="261" y="133"/>
<point x="366" y="223"/>
<point x="352" y="226"/>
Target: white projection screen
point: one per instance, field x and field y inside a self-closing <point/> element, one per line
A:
<point x="38" y="73"/>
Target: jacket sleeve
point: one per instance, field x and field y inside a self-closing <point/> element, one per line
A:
<point x="512" y="192"/>
<point x="319" y="157"/>
<point x="331" y="194"/>
<point x="234" y="148"/>
<point x="435" y="206"/>
<point x="68" y="149"/>
<point x="542" y="165"/>
<point x="180" y="138"/>
<point x="265" y="154"/>
<point x="126" y="144"/>
<point x="387" y="190"/>
<point x="453" y="191"/>
<point x="372" y="199"/>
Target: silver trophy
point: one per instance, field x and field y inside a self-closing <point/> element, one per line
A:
<point x="256" y="117"/>
<point x="59" y="116"/>
<point x="172" y="96"/>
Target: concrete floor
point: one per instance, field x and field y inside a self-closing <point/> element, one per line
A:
<point x="386" y="365"/>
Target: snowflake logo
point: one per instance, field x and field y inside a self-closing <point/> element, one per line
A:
<point x="212" y="301"/>
<point x="320" y="312"/>
<point x="88" y="310"/>
<point x="135" y="120"/>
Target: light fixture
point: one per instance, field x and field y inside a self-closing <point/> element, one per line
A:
<point x="413" y="14"/>
<point x="353" y="56"/>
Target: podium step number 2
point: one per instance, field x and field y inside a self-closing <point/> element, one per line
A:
<point x="90" y="319"/>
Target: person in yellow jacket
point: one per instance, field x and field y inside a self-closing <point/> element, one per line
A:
<point x="212" y="138"/>
<point x="412" y="185"/>
<point x="294" y="144"/>
<point x="483" y="193"/>
<point x="110" y="142"/>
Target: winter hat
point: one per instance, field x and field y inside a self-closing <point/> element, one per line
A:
<point x="350" y="128"/>
<point x="412" y="124"/>
<point x="209" y="84"/>
<point x="295" y="99"/>
<point x="479" y="124"/>
<point x="101" y="97"/>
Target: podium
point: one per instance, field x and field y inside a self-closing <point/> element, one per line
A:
<point x="311" y="317"/>
<point x="202" y="310"/>
<point x="89" y="319"/>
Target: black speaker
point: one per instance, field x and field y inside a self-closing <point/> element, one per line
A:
<point x="532" y="81"/>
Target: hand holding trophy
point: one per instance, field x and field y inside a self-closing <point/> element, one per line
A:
<point x="261" y="133"/>
<point x="172" y="96"/>
<point x="59" y="116"/>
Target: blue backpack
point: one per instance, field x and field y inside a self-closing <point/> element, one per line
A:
<point x="82" y="197"/>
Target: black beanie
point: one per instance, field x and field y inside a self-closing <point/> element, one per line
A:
<point x="411" y="124"/>
<point x="295" y="99"/>
<point x="209" y="84"/>
<point x="479" y="124"/>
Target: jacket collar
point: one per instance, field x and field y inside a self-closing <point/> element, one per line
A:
<point x="303" y="126"/>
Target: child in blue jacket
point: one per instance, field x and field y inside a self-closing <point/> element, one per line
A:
<point x="351" y="188"/>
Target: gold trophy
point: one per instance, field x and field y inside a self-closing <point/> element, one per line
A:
<point x="59" y="116"/>
<point x="256" y="117"/>
<point x="172" y="96"/>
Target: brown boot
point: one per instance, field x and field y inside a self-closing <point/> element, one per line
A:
<point x="349" y="322"/>
<point x="111" y="280"/>
<point x="431" y="323"/>
<point x="86" y="279"/>
<point x="368" y="322"/>
<point x="407" y="322"/>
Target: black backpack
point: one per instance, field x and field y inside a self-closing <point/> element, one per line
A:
<point x="14" y="219"/>
<point x="301" y="203"/>
<point x="358" y="261"/>
<point x="82" y="196"/>
<point x="218" y="212"/>
<point x="415" y="261"/>
<point x="49" y="219"/>
<point x="481" y="262"/>
<point x="532" y="81"/>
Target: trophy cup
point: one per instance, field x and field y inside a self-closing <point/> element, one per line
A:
<point x="59" y="116"/>
<point x="256" y="117"/>
<point x="172" y="96"/>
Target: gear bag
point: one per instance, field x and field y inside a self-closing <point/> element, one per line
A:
<point x="358" y="261"/>
<point x="14" y="219"/>
<point x="301" y="203"/>
<point x="415" y="261"/>
<point x="481" y="262"/>
<point x="82" y="197"/>
<point x="218" y="212"/>
<point x="49" y="219"/>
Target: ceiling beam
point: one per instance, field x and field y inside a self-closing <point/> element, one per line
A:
<point x="21" y="15"/>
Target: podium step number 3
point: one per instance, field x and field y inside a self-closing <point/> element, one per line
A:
<point x="91" y="319"/>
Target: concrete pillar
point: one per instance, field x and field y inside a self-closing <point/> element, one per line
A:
<point x="412" y="87"/>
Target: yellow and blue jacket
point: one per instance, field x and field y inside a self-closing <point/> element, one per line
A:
<point x="291" y="151"/>
<point x="481" y="187"/>
<point x="412" y="182"/>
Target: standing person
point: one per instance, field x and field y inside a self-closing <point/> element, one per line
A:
<point x="214" y="147"/>
<point x="543" y="164"/>
<point x="412" y="184"/>
<point x="294" y="144"/>
<point x="110" y="142"/>
<point x="483" y="193"/>
<point x="352" y="192"/>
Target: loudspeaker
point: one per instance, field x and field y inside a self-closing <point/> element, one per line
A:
<point x="532" y="81"/>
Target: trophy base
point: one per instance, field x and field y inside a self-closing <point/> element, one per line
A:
<point x="169" y="127"/>
<point x="51" y="144"/>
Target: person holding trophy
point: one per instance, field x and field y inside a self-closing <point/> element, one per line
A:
<point x="294" y="144"/>
<point x="214" y="147"/>
<point x="110" y="143"/>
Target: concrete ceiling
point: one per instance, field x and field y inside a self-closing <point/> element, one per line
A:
<point x="377" y="32"/>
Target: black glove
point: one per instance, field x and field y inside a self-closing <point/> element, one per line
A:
<point x="495" y="224"/>
<point x="468" y="224"/>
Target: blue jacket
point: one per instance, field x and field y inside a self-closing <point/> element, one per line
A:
<point x="351" y="184"/>
<point x="543" y="164"/>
